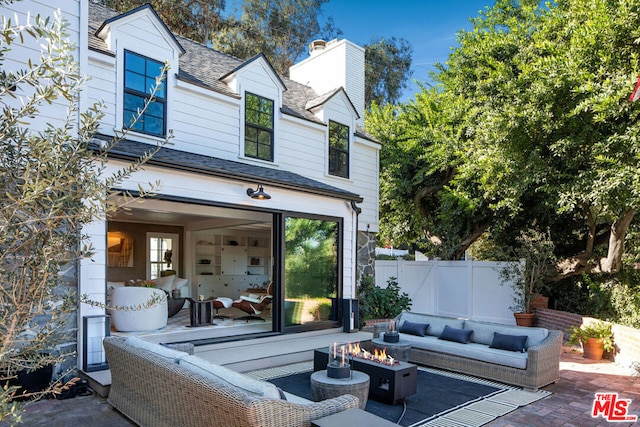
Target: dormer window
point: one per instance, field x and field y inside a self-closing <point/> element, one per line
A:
<point x="139" y="80"/>
<point x="338" y="149"/>
<point x="258" y="127"/>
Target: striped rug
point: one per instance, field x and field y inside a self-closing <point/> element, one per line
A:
<point x="474" y="413"/>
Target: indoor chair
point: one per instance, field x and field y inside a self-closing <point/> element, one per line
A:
<point x="221" y="302"/>
<point x="253" y="305"/>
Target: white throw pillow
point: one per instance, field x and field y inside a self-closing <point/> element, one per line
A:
<point x="165" y="283"/>
<point x="179" y="283"/>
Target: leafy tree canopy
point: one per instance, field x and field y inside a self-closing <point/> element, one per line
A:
<point x="280" y="29"/>
<point x="387" y="69"/>
<point x="529" y="126"/>
<point x="194" y="19"/>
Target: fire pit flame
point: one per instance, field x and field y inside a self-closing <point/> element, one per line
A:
<point x="378" y="356"/>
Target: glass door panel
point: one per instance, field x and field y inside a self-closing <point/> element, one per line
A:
<point x="311" y="271"/>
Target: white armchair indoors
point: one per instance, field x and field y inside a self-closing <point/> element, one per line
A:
<point x="137" y="317"/>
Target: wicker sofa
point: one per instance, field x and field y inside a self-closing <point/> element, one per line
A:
<point x="536" y="364"/>
<point x="154" y="385"/>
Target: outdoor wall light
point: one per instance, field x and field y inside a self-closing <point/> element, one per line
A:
<point x="258" y="193"/>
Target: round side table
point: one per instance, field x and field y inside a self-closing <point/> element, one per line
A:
<point x="323" y="387"/>
<point x="398" y="350"/>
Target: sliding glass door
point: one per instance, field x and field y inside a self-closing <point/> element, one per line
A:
<point x="311" y="276"/>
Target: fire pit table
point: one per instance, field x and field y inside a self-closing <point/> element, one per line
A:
<point x="388" y="383"/>
<point x="399" y="350"/>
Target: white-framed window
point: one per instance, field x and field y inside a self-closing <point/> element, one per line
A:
<point x="162" y="253"/>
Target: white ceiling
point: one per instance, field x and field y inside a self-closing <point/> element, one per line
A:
<point x="191" y="216"/>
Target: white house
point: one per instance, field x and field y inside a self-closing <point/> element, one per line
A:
<point x="238" y="129"/>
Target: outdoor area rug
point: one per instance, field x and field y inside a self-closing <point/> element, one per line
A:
<point x="442" y="399"/>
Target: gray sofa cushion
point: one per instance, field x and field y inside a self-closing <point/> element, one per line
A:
<point x="436" y="323"/>
<point x="232" y="378"/>
<point x="472" y="351"/>
<point x="483" y="332"/>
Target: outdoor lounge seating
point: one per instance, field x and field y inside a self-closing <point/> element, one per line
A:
<point x="521" y="356"/>
<point x="154" y="385"/>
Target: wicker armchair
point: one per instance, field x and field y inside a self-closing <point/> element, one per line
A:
<point x="152" y="391"/>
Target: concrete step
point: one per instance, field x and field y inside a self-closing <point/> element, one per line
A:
<point x="260" y="353"/>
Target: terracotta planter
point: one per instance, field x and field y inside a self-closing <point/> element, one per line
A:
<point x="524" y="319"/>
<point x="593" y="349"/>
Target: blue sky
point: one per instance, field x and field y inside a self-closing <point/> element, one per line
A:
<point x="430" y="26"/>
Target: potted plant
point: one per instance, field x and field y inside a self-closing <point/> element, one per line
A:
<point x="596" y="338"/>
<point x="527" y="277"/>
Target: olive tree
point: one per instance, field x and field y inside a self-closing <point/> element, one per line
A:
<point x="52" y="182"/>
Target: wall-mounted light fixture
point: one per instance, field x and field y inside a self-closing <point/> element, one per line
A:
<point x="258" y="193"/>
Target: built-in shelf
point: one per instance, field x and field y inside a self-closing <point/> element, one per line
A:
<point x="224" y="259"/>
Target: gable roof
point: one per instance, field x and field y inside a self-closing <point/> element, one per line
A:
<point x="322" y="99"/>
<point x="258" y="57"/>
<point x="145" y="7"/>
<point x="222" y="168"/>
<point x="206" y="67"/>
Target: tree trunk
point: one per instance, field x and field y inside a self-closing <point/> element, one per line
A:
<point x="613" y="261"/>
<point x="584" y="264"/>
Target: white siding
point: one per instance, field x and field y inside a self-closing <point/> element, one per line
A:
<point x="365" y="176"/>
<point x="102" y="87"/>
<point x="210" y="126"/>
<point x="30" y="50"/>
<point x="206" y="126"/>
<point x="208" y="123"/>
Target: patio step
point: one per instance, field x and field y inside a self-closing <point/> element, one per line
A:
<point x="260" y="353"/>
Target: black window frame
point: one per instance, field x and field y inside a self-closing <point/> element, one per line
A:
<point x="160" y="97"/>
<point x="336" y="152"/>
<point x="254" y="131"/>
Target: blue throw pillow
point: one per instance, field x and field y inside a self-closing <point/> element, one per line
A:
<point x="508" y="342"/>
<point x="455" y="335"/>
<point x="414" y="328"/>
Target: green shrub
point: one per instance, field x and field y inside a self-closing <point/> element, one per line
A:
<point x="613" y="298"/>
<point x="381" y="303"/>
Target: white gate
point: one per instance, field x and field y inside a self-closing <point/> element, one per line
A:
<point x="468" y="289"/>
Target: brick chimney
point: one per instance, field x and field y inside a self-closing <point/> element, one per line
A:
<point x="334" y="64"/>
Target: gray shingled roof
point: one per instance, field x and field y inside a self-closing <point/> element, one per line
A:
<point x="222" y="168"/>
